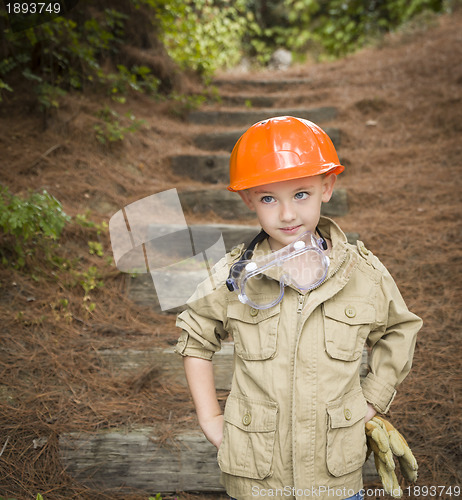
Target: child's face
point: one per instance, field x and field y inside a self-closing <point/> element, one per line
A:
<point x="287" y="209"/>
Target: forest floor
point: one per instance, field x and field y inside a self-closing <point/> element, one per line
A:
<point x="400" y="116"/>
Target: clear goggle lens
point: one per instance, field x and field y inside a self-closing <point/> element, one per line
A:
<point x="260" y="282"/>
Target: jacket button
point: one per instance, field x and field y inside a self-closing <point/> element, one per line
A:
<point x="363" y="249"/>
<point x="235" y="251"/>
<point x="253" y="311"/>
<point x="247" y="418"/>
<point x="347" y="414"/>
<point x="350" y="312"/>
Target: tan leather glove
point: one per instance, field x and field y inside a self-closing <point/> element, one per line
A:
<point x="385" y="441"/>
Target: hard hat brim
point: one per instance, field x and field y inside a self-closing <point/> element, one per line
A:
<point x="290" y="174"/>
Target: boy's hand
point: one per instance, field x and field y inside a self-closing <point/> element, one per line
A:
<point x="213" y="429"/>
<point x="370" y="413"/>
<point x="385" y="441"/>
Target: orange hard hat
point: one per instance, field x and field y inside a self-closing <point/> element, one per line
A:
<point x="281" y="149"/>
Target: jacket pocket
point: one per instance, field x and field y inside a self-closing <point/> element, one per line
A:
<point x="254" y="330"/>
<point x="346" y="326"/>
<point x="346" y="436"/>
<point x="248" y="437"/>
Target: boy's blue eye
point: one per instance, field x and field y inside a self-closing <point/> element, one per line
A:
<point x="301" y="196"/>
<point x="267" y="199"/>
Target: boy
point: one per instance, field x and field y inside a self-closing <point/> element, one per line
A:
<point x="293" y="425"/>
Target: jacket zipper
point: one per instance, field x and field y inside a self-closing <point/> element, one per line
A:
<point x="340" y="264"/>
<point x="300" y="303"/>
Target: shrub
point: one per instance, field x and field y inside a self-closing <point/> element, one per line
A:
<point x="29" y="224"/>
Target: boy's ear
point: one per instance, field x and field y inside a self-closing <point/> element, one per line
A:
<point x="246" y="199"/>
<point x="328" y="187"/>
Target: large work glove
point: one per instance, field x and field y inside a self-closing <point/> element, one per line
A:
<point x="385" y="441"/>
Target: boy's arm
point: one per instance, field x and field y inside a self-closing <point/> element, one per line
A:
<point x="392" y="346"/>
<point x="199" y="374"/>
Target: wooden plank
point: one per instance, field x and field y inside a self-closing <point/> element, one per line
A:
<point x="230" y="206"/>
<point x="233" y="234"/>
<point x="248" y="117"/>
<point x="204" y="168"/>
<point x="225" y="141"/>
<point x="267" y="84"/>
<point x="250" y="100"/>
<point x="170" y="364"/>
<point x="140" y="288"/>
<point x="135" y="459"/>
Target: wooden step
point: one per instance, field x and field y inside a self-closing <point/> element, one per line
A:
<point x="259" y="99"/>
<point x="230" y="206"/>
<point x="132" y="459"/>
<point x="248" y="117"/>
<point x="205" y="168"/>
<point x="140" y="288"/>
<point x="263" y="83"/>
<point x="205" y="235"/>
<point x="248" y="100"/>
<point x="225" y="141"/>
<point x="170" y="364"/>
<point x="209" y="168"/>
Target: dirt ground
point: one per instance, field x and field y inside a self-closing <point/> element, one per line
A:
<point x="400" y="118"/>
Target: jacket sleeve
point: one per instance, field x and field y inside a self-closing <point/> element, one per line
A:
<point x="392" y="344"/>
<point x="203" y="320"/>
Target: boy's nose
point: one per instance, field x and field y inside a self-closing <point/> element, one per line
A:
<point x="287" y="213"/>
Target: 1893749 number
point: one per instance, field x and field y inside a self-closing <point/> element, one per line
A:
<point x="433" y="491"/>
<point x="33" y="8"/>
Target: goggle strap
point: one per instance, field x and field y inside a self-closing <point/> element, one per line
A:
<point x="323" y="241"/>
<point x="247" y="255"/>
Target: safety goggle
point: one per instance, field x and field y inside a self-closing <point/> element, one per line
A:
<point x="302" y="264"/>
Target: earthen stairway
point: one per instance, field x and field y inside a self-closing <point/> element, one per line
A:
<point x="135" y="459"/>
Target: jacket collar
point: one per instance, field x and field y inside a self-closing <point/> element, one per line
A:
<point x="329" y="230"/>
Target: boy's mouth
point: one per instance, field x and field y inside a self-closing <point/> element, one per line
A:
<point x="290" y="229"/>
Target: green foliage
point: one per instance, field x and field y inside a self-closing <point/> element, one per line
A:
<point x="64" y="55"/>
<point x="4" y="86"/>
<point x="139" y="79"/>
<point x="32" y="223"/>
<point x="344" y="26"/>
<point x="202" y="35"/>
<point x="337" y="26"/>
<point x="82" y="220"/>
<point x="90" y="279"/>
<point x="112" y="129"/>
<point x="95" y="248"/>
<point x="205" y="35"/>
<point x="281" y="23"/>
<point x="182" y="103"/>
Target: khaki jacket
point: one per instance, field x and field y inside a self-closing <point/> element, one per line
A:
<point x="294" y="419"/>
